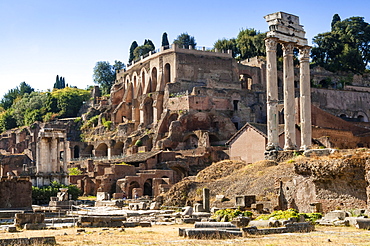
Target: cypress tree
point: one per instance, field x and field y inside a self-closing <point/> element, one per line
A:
<point x="165" y="40"/>
<point x="132" y="48"/>
<point x="336" y="18"/>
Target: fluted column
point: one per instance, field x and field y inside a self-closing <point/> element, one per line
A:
<point x="272" y="95"/>
<point x="289" y="114"/>
<point x="305" y="97"/>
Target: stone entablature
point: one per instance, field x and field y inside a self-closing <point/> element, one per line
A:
<point x="286" y="28"/>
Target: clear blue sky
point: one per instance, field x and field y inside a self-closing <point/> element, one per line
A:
<point x="41" y="39"/>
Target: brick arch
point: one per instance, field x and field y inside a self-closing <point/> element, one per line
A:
<point x="127" y="80"/>
<point x="101" y="150"/>
<point x="148" y="111"/>
<point x="117" y="148"/>
<point x="362" y="117"/>
<point x="153" y="79"/>
<point x="148" y="187"/>
<point x="144" y="80"/>
<point x="131" y="186"/>
<point x="135" y="80"/>
<point x="191" y="141"/>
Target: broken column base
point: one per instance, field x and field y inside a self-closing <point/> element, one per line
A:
<point x="289" y="228"/>
<point x="230" y="232"/>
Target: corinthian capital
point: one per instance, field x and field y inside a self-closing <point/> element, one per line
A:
<point x="270" y="44"/>
<point x="304" y="52"/>
<point x="288" y="48"/>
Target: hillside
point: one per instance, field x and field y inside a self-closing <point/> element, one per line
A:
<point x="337" y="180"/>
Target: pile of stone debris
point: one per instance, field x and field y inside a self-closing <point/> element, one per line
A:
<point x="343" y="218"/>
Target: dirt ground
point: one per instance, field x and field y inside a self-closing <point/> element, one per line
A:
<point x="168" y="235"/>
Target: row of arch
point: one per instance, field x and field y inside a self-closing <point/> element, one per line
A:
<point x="145" y="82"/>
<point x="361" y="117"/>
<point x="101" y="150"/>
<point x="147" y="187"/>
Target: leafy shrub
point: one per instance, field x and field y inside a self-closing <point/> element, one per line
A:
<point x="74" y="171"/>
<point x="311" y="216"/>
<point x="228" y="214"/>
<point x="41" y="195"/>
<point x="290" y="213"/>
<point x="92" y="122"/>
<point x="106" y="123"/>
<point x="280" y="215"/>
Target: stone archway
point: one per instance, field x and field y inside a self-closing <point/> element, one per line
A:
<point x="153" y="84"/>
<point x="117" y="148"/>
<point x="132" y="185"/>
<point x="246" y="81"/>
<point x="148" y="188"/>
<point x="101" y="150"/>
<point x="88" y="151"/>
<point x="128" y="101"/>
<point x="167" y="73"/>
<point x="191" y="141"/>
<point x="148" y="111"/>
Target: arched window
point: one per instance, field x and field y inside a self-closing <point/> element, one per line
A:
<point x="167" y="73"/>
<point x="153" y="86"/>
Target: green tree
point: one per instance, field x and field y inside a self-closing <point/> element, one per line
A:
<point x="41" y="195"/>
<point x="67" y="102"/>
<point x="9" y="98"/>
<point x="345" y="48"/>
<point x="59" y="83"/>
<point x="132" y="48"/>
<point x="227" y="44"/>
<point x="32" y="116"/>
<point x="185" y="40"/>
<point x="250" y="43"/>
<point x="149" y="43"/>
<point x="104" y="75"/>
<point x="27" y="105"/>
<point x="118" y="65"/>
<point x="336" y="18"/>
<point x="7" y="120"/>
<point x="142" y="50"/>
<point x="165" y="42"/>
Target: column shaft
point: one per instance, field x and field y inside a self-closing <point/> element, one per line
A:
<point x="289" y="114"/>
<point x="272" y="95"/>
<point x="305" y="98"/>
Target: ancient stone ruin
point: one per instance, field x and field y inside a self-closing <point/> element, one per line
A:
<point x="286" y="30"/>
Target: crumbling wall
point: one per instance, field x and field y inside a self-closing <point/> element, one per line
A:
<point x="15" y="192"/>
<point x="336" y="183"/>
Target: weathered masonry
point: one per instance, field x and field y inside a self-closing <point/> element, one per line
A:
<point x="286" y="30"/>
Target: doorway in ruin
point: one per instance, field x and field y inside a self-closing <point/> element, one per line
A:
<point x="117" y="149"/>
<point x="214" y="140"/>
<point x="101" y="150"/>
<point x="76" y="151"/>
<point x="167" y="73"/>
<point x="191" y="141"/>
<point x="246" y="81"/>
<point x="148" y="111"/>
<point x="148" y="188"/>
<point x="88" y="151"/>
<point x="133" y="184"/>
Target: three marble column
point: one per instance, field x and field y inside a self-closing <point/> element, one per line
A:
<point x="289" y="96"/>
